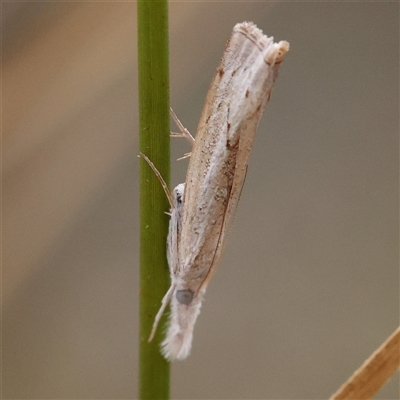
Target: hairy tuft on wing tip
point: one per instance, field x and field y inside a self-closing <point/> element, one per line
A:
<point x="177" y="346"/>
<point x="178" y="340"/>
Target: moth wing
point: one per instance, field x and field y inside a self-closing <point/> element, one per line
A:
<point x="245" y="145"/>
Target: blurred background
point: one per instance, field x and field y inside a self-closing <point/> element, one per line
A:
<point x="309" y="285"/>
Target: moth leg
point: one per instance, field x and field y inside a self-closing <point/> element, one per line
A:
<point x="186" y="155"/>
<point x="164" y="303"/>
<point x="184" y="132"/>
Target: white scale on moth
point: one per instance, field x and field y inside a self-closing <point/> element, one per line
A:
<point x="202" y="209"/>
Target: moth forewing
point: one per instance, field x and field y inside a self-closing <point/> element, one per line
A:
<point x="235" y="102"/>
<point x="258" y="95"/>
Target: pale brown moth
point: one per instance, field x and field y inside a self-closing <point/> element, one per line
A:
<point x="217" y="169"/>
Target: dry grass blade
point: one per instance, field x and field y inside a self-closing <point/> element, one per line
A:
<point x="375" y="371"/>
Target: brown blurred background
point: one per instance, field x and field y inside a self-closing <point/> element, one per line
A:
<point x="309" y="284"/>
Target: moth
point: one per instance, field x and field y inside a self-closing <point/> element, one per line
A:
<point x="202" y="210"/>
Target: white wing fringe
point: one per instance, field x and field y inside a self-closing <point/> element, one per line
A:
<point x="178" y="341"/>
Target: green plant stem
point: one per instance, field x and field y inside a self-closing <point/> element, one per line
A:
<point x="154" y="142"/>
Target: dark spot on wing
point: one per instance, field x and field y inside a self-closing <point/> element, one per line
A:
<point x="184" y="296"/>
